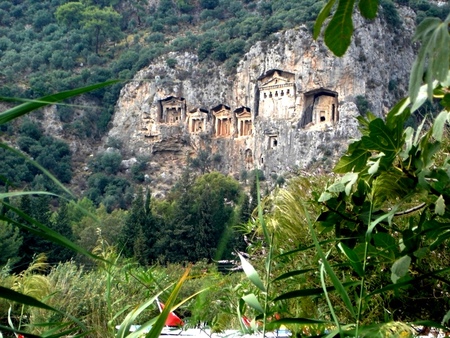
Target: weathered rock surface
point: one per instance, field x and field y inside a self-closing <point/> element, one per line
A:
<point x="289" y="106"/>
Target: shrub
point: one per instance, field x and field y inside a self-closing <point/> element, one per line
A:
<point x="362" y="104"/>
<point x="390" y="14"/>
<point x="30" y="129"/>
<point x="209" y="4"/>
<point x="171" y="63"/>
<point x="155" y="37"/>
<point x="108" y="162"/>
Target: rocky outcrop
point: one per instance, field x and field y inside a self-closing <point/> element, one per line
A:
<point x="290" y="105"/>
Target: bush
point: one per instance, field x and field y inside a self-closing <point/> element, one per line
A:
<point x="362" y="104"/>
<point x="209" y="4"/>
<point x="390" y="14"/>
<point x="155" y="37"/>
<point x="108" y="162"/>
<point x="236" y="46"/>
<point x="171" y="63"/>
<point x="30" y="129"/>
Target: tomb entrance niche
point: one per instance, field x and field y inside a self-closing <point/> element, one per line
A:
<point x="320" y="107"/>
<point x="273" y="141"/>
<point x="172" y="110"/>
<point x="197" y="120"/>
<point x="223" y="121"/>
<point x="244" y="121"/>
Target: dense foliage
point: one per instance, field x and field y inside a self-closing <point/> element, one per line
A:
<point x="49" y="46"/>
<point x="380" y="233"/>
<point x="196" y="222"/>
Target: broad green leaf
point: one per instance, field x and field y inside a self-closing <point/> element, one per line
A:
<point x="421" y="98"/>
<point x="416" y="75"/>
<point x="324" y="13"/>
<point x="374" y="165"/>
<point x="350" y="179"/>
<point x="325" y="196"/>
<point x="435" y="40"/>
<point x="339" y="31"/>
<point x="368" y="8"/>
<point x="27" y="107"/>
<point x="380" y="138"/>
<point x="400" y="268"/>
<point x="384" y="240"/>
<point x="253" y="302"/>
<point x="426" y="27"/>
<point x="446" y="318"/>
<point x="352" y="258"/>
<point x="344" y="184"/>
<point x="399" y="110"/>
<point x="421" y="253"/>
<point x="445" y="102"/>
<point x="439" y="124"/>
<point x="251" y="273"/>
<point x="446" y="83"/>
<point x="409" y="135"/>
<point x="336" y="187"/>
<point x="439" y="62"/>
<point x="356" y="162"/>
<point x="440" y="206"/>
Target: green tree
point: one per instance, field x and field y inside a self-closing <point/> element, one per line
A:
<point x="140" y="231"/>
<point x="70" y="14"/>
<point x="176" y="242"/>
<point x="101" y="24"/>
<point x="10" y="243"/>
<point x="61" y="223"/>
<point x="216" y="196"/>
<point x="37" y="207"/>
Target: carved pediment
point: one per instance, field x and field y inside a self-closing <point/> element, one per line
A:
<point x="277" y="81"/>
<point x="276" y="77"/>
<point x="171" y="101"/>
<point x="221" y="111"/>
<point x="243" y="113"/>
<point x="198" y="113"/>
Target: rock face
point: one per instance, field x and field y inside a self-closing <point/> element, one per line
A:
<point x="290" y="104"/>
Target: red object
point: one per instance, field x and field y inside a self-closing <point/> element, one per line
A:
<point x="172" y="319"/>
<point x="20" y="336"/>
<point x="246" y="321"/>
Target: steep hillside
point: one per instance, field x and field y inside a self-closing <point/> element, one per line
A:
<point x="212" y="53"/>
<point x="290" y="106"/>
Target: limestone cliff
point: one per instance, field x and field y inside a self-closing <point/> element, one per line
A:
<point x="289" y="105"/>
